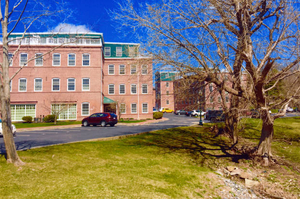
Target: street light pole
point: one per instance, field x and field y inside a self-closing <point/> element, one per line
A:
<point x="200" y="121"/>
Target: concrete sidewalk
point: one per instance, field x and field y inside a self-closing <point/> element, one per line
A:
<point x="79" y="125"/>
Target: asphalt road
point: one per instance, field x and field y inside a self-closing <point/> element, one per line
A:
<point x="40" y="138"/>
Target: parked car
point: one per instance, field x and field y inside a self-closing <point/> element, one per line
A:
<point x="180" y="112"/>
<point x="197" y="113"/>
<point x="13" y="127"/>
<point x="188" y="113"/>
<point x="167" y="110"/>
<point x="154" y="110"/>
<point x="215" y="115"/>
<point x="100" y="119"/>
<point x="289" y="109"/>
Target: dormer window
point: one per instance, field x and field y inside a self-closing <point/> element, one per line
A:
<point x="107" y="51"/>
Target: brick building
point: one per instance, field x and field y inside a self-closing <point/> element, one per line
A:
<point x="76" y="75"/>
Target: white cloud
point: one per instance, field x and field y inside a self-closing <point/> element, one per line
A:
<point x="71" y="28"/>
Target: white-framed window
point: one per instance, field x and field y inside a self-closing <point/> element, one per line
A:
<point x="56" y="59"/>
<point x="85" y="84"/>
<point x="133" y="108"/>
<point x="145" y="108"/>
<point x="107" y="51"/>
<point x="211" y="87"/>
<point x="85" y="59"/>
<point x="119" y="51"/>
<point x="55" y="84"/>
<point x="72" y="59"/>
<point x="122" y="69"/>
<point x="71" y="84"/>
<point x="167" y="102"/>
<point x="38" y="84"/>
<point x="122" y="108"/>
<point x="111" y="89"/>
<point x="85" y="109"/>
<point x="20" y="110"/>
<point x="10" y="59"/>
<point x="111" y="69"/>
<point x="133" y="69"/>
<point x="10" y="85"/>
<point x="22" y="85"/>
<point x="168" y="92"/>
<point x="211" y="99"/>
<point x="64" y="111"/>
<point x="144" y="88"/>
<point x="131" y="51"/>
<point x="39" y="59"/>
<point x="23" y="59"/>
<point x="167" y="84"/>
<point x="122" y="89"/>
<point x="144" y="70"/>
<point x="133" y="89"/>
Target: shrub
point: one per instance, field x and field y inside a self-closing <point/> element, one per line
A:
<point x="27" y="119"/>
<point x="157" y="115"/>
<point x="49" y="118"/>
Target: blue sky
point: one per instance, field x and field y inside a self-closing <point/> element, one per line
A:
<point x="92" y="15"/>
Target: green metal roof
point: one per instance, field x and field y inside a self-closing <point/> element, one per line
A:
<point x="125" y="49"/>
<point x="106" y="100"/>
<point x="167" y="76"/>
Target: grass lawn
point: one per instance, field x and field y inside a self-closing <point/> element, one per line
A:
<point x="286" y="140"/>
<point x="173" y="163"/>
<point x="132" y="167"/>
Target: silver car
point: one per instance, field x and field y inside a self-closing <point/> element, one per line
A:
<point x="13" y="127"/>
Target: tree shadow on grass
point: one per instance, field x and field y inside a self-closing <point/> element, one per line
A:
<point x="201" y="144"/>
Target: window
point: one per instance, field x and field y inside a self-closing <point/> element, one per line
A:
<point x="133" y="88"/>
<point x="71" y="84"/>
<point x="133" y="70"/>
<point x="211" y="99"/>
<point x="22" y="85"/>
<point x="144" y="89"/>
<point x="111" y="69"/>
<point x="210" y="87"/>
<point x="219" y="99"/>
<point x="10" y="83"/>
<point x="122" y="89"/>
<point x="55" y="84"/>
<point x="122" y="69"/>
<point x="167" y="84"/>
<point x="10" y="59"/>
<point x="85" y="84"/>
<point x="38" y="84"/>
<point x="23" y="59"/>
<point x="167" y="92"/>
<point x="111" y="89"/>
<point x="38" y="59"/>
<point x="85" y="108"/>
<point x="119" y="51"/>
<point x="144" y="70"/>
<point x="167" y="102"/>
<point x="64" y="111"/>
<point x="145" y="108"/>
<point x="107" y="51"/>
<point x="71" y="59"/>
<point x="122" y="108"/>
<point x="86" y="59"/>
<point x="133" y="108"/>
<point x="20" y="110"/>
<point x="56" y="59"/>
<point x="227" y="99"/>
<point x="131" y="51"/>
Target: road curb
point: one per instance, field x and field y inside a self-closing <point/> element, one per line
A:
<point x="79" y="125"/>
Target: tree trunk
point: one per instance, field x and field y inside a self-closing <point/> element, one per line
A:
<point x="231" y="125"/>
<point x="267" y="132"/>
<point x="11" y="152"/>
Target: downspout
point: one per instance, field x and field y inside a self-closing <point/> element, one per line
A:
<point x="101" y="80"/>
<point x="138" y="106"/>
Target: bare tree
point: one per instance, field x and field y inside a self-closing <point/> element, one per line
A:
<point x="19" y="16"/>
<point x="205" y="37"/>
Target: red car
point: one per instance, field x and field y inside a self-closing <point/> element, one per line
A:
<point x="100" y="119"/>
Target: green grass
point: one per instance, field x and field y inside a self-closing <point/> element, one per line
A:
<point x="135" y="167"/>
<point x="286" y="140"/>
<point x="59" y="123"/>
<point x="131" y="121"/>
